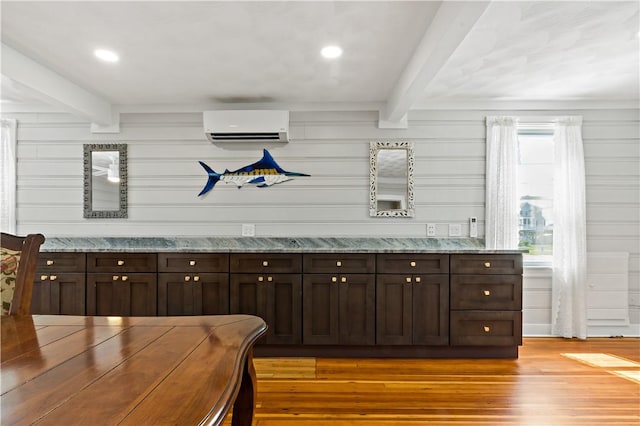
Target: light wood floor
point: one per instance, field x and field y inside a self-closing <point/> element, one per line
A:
<point x="543" y="387"/>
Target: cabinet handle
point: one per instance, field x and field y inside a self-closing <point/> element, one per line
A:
<point x="343" y="279"/>
<point x="334" y="279"/>
<point x="43" y="277"/>
<point x="187" y="278"/>
<point x="338" y="263"/>
<point x="408" y="279"/>
<point x="120" y="262"/>
<point x="260" y="279"/>
<point x="418" y="279"/>
<point x="486" y="329"/>
<point x="486" y="292"/>
<point x="269" y="279"/>
<point x="192" y="263"/>
<point x="125" y="278"/>
<point x="413" y="264"/>
<point x="53" y="277"/>
<point x="115" y="278"/>
<point x="196" y="278"/>
<point x="265" y="263"/>
<point x="49" y="262"/>
<point x="487" y="264"/>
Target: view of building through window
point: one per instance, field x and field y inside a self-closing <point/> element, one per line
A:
<point x="535" y="192"/>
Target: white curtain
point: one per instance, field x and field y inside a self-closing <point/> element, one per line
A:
<point x="501" y="202"/>
<point x="569" y="288"/>
<point x="8" y="176"/>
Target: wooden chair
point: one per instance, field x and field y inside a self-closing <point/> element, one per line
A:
<point x="19" y="261"/>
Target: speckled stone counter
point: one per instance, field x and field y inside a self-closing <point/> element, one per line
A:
<point x="268" y="244"/>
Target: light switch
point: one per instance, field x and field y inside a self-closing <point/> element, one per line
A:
<point x="248" y="230"/>
<point x="455" y="230"/>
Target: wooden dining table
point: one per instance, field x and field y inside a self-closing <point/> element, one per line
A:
<point x="73" y="370"/>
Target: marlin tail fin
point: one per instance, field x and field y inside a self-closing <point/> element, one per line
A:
<point x="213" y="179"/>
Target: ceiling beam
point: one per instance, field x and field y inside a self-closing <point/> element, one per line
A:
<point x="38" y="81"/>
<point x="451" y="24"/>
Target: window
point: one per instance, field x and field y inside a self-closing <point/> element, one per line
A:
<point x="535" y="193"/>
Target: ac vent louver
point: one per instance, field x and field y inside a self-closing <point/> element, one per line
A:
<point x="246" y="126"/>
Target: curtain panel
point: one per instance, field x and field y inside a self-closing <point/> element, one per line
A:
<point x="569" y="282"/>
<point x="501" y="203"/>
<point x="8" y="176"/>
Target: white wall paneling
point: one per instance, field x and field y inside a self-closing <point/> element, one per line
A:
<point x="332" y="146"/>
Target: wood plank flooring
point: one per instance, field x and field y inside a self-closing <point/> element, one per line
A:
<point x="543" y="387"/>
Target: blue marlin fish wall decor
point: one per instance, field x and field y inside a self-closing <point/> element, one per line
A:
<point x="263" y="173"/>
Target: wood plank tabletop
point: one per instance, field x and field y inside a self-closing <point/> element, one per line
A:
<point x="127" y="370"/>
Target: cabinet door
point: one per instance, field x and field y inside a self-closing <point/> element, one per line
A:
<point x="394" y="307"/>
<point x="273" y="297"/>
<point x="320" y="303"/>
<point x="430" y="321"/>
<point x="59" y="294"/>
<point x="121" y="295"/>
<point x="357" y="309"/>
<point x="193" y="294"/>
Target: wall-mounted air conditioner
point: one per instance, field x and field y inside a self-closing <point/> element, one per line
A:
<point x="246" y="126"/>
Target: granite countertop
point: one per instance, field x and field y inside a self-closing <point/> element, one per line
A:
<point x="268" y="244"/>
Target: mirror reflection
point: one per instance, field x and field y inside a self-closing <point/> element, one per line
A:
<point x="105" y="181"/>
<point x="391" y="177"/>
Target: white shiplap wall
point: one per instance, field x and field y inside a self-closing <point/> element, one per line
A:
<point x="165" y="178"/>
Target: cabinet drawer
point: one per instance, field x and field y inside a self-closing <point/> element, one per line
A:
<point x="486" y="264"/>
<point x="485" y="328"/>
<point x="321" y="263"/>
<point x="61" y="262"/>
<point x="266" y="263"/>
<point x="486" y="292"/>
<point x="116" y="262"/>
<point x="193" y="262"/>
<point x="412" y="263"/>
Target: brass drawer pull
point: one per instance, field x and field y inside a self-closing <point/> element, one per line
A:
<point x="343" y="279"/>
<point x="418" y="279"/>
<point x="49" y="262"/>
<point x="487" y="329"/>
<point x="187" y="278"/>
<point x="192" y="263"/>
<point x="53" y="277"/>
<point x="125" y="278"/>
<point x="120" y="262"/>
<point x="43" y="277"/>
<point x="408" y="279"/>
<point x="487" y="264"/>
<point x="338" y="263"/>
<point x="486" y="292"/>
<point x="334" y="279"/>
<point x="196" y="278"/>
<point x="269" y="279"/>
<point x="413" y="264"/>
<point x="265" y="263"/>
<point x="260" y="279"/>
<point x="115" y="278"/>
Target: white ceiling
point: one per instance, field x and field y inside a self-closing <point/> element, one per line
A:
<point x="397" y="55"/>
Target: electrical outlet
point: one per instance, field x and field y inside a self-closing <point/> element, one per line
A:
<point x="473" y="227"/>
<point x="248" y="230"/>
<point x="431" y="229"/>
<point x="455" y="230"/>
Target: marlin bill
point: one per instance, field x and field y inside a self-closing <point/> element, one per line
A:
<point x="263" y="173"/>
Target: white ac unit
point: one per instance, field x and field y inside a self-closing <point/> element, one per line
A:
<point x="246" y="125"/>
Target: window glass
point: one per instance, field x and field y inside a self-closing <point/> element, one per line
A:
<point x="535" y="192"/>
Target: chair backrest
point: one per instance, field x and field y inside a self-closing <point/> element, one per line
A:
<point x="19" y="259"/>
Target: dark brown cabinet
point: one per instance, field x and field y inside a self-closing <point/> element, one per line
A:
<point x="412" y="299"/>
<point x="486" y="300"/>
<point x="59" y="287"/>
<point x="338" y="299"/>
<point x="193" y="284"/>
<point x="269" y="286"/>
<point x="122" y="284"/>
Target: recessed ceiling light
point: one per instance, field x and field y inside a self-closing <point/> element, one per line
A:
<point x="331" y="52"/>
<point x="106" y="55"/>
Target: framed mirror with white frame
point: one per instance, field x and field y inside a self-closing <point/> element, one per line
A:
<point x="391" y="179"/>
<point x="105" y="181"/>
